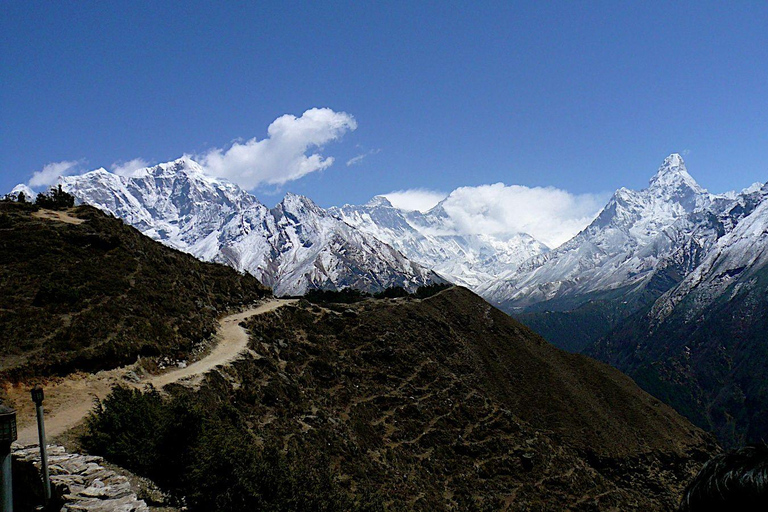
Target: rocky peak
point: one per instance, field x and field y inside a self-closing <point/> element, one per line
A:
<point x="673" y="175"/>
<point x="379" y="201"/>
<point x="180" y="165"/>
<point x="298" y="206"/>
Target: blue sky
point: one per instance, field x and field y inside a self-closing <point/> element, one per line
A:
<point x="582" y="96"/>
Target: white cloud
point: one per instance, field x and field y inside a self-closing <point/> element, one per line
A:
<point x="550" y="215"/>
<point x="359" y="158"/>
<point x="415" y="199"/>
<point x="282" y="156"/>
<point x="356" y="159"/>
<point x="128" y="168"/>
<point x="51" y="172"/>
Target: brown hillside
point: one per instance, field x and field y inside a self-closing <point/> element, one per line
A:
<point x="82" y="291"/>
<point x="449" y="404"/>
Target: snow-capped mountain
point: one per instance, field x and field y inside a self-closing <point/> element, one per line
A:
<point x="637" y="234"/>
<point x="29" y="194"/>
<point x="701" y="346"/>
<point x="293" y="247"/>
<point x="430" y="239"/>
<point x="731" y="263"/>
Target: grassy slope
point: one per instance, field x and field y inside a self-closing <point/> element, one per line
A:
<point x="448" y="402"/>
<point x="97" y="294"/>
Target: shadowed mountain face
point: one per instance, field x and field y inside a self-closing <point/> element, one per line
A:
<point x="83" y="291"/>
<point x="449" y="404"/>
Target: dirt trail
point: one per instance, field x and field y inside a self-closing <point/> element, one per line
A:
<point x="58" y="215"/>
<point x="69" y="400"/>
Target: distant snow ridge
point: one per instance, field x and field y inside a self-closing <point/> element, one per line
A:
<point x="293" y="247"/>
<point x="429" y="239"/>
<point x="671" y="225"/>
<point x="641" y="244"/>
<point x="29" y="194"/>
<point x="731" y="265"/>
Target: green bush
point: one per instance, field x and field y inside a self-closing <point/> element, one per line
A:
<point x="344" y="296"/>
<point x="392" y="293"/>
<point x="431" y="289"/>
<point x="202" y="451"/>
<point x="55" y="199"/>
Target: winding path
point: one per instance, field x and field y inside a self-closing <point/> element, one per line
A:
<point x="69" y="400"/>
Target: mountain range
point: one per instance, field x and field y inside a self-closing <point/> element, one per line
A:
<point x="630" y="288"/>
<point x="293" y="247"/>
<point x="431" y="240"/>
<point x="298" y="245"/>
<point x="702" y="346"/>
<point x="668" y="284"/>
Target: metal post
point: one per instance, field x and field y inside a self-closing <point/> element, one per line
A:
<point x="6" y="482"/>
<point x="7" y="436"/>
<point x="37" y="397"/>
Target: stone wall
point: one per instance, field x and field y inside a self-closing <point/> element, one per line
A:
<point x="82" y="483"/>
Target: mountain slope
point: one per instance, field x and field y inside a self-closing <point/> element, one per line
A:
<point x="431" y="240"/>
<point x="621" y="247"/>
<point x="702" y="346"/>
<point x="440" y="404"/>
<point x="82" y="291"/>
<point x="293" y="247"/>
<point x="639" y="246"/>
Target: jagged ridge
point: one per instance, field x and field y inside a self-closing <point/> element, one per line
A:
<point x="293" y="247"/>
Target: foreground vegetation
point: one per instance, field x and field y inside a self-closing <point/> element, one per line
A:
<point x="203" y="453"/>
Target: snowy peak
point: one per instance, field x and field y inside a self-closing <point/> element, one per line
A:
<point x="297" y="206"/>
<point x="169" y="169"/>
<point x="673" y="177"/>
<point x="379" y="201"/>
<point x="631" y="238"/>
<point x="29" y="194"/>
<point x="671" y="194"/>
<point x="674" y="163"/>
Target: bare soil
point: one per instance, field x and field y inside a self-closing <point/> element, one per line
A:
<point x="61" y="216"/>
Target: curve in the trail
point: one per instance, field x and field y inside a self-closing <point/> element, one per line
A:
<point x="80" y="392"/>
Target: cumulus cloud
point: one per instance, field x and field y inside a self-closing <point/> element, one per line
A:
<point x="282" y="156"/>
<point x="128" y="168"/>
<point x="550" y="215"/>
<point x="51" y="172"/>
<point x="420" y="199"/>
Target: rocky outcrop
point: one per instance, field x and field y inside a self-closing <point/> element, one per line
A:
<point x="82" y="483"/>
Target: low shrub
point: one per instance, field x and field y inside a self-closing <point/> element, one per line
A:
<point x="202" y="451"/>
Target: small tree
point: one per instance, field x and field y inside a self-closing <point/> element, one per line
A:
<point x="55" y="199"/>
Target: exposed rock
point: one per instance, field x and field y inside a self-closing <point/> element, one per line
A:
<point x="82" y="482"/>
